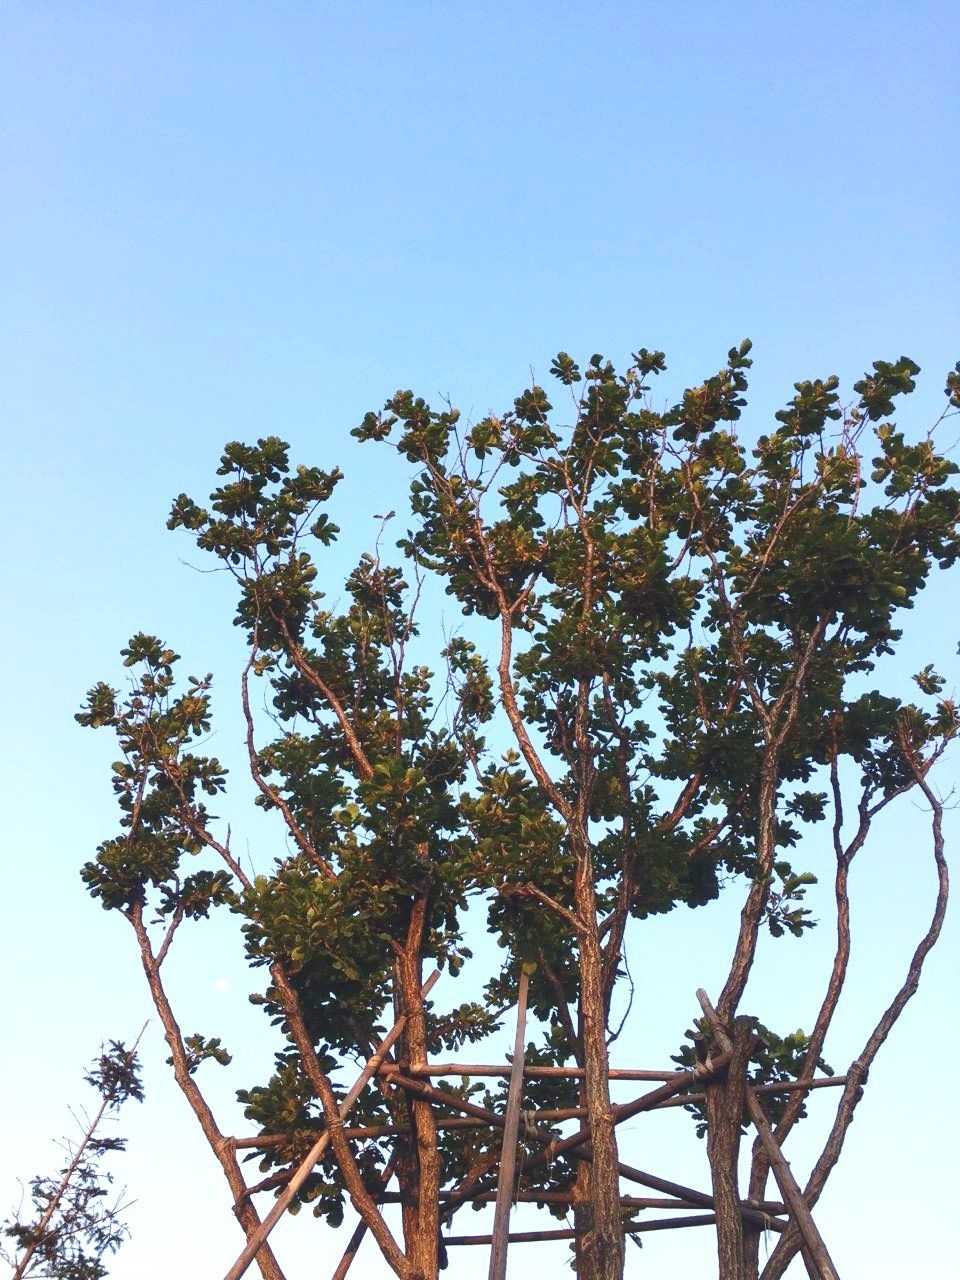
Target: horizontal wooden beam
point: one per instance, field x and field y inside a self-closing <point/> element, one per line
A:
<point x="786" y="1086"/>
<point x="755" y="1211"/>
<point x="265" y="1140"/>
<point x="530" y="1073"/>
<point x="581" y="1148"/>
<point x="630" y="1228"/>
<point x="771" y="1207"/>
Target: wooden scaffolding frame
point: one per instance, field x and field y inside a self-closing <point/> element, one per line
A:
<point x="414" y="1080"/>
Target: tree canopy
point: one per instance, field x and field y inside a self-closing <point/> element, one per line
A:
<point x="673" y="631"/>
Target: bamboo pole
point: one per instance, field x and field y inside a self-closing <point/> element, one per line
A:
<point x="764" y="1211"/>
<point x="319" y="1147"/>
<point x="789" y="1188"/>
<point x="508" y="1149"/>
<point x="268" y="1140"/>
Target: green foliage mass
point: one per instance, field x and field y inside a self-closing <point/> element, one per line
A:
<point x="661" y="618"/>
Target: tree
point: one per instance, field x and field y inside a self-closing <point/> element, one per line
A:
<point x="683" y="634"/>
<point x="75" y="1224"/>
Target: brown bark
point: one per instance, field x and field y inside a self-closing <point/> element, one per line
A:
<point x="220" y="1145"/>
<point x="299" y="1176"/>
<point x="814" y="1247"/>
<point x="760" y="1167"/>
<point x="724" y="1107"/>
<point x="790" y="1244"/>
<point x="600" y="1244"/>
<point x="844" y="855"/>
<point x="418" y="1160"/>
<point x="751" y="916"/>
<point x="362" y="1201"/>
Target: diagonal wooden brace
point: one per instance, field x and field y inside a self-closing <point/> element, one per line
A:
<point x="508" y="1151"/>
<point x="319" y="1147"/>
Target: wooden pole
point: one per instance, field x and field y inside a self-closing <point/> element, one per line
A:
<point x="319" y="1147"/>
<point x="789" y="1188"/>
<point x="627" y="1110"/>
<point x="580" y="1151"/>
<point x="508" y="1149"/>
<point x="560" y="1146"/>
<point x="266" y="1140"/>
<point x="630" y="1228"/>
<point x="435" y="1069"/>
<point x="753" y="1210"/>
<point x="778" y="1086"/>
<point x="626" y="1202"/>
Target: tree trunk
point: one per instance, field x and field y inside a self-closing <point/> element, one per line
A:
<point x="724" y="1107"/>
<point x="600" y="1247"/>
<point x="243" y="1209"/>
<point x="418" y="1163"/>
<point x="759" y="1173"/>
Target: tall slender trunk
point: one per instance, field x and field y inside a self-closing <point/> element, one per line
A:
<point x="724" y="1106"/>
<point x="418" y="1160"/>
<point x="752" y="1231"/>
<point x="600" y="1243"/>
<point x="751" y="917"/>
<point x="750" y="920"/>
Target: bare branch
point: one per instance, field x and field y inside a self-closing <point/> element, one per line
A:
<point x="857" y="1072"/>
<point x="305" y="846"/>
<point x="221" y="1146"/>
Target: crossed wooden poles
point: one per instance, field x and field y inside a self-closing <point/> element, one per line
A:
<point x="414" y="1080"/>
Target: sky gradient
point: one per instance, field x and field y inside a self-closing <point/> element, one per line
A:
<point x="229" y="220"/>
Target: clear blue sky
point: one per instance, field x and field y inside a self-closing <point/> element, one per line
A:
<point x="225" y="220"/>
